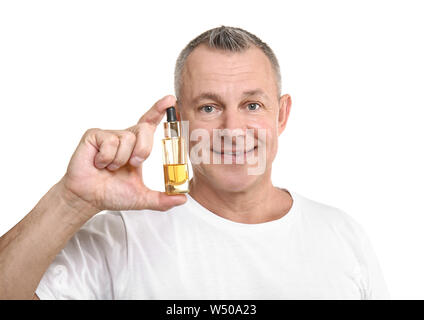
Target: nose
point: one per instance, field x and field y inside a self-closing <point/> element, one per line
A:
<point x="233" y="120"/>
<point x="233" y="127"/>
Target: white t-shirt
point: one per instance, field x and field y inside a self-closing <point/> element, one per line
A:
<point x="315" y="251"/>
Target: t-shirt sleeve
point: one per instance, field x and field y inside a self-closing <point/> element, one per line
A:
<point x="373" y="284"/>
<point x="92" y="265"/>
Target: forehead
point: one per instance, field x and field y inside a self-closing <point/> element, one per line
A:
<point x="226" y="72"/>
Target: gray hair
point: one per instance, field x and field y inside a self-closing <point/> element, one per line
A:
<point x="228" y="39"/>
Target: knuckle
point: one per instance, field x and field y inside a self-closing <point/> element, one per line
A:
<point x="91" y="131"/>
<point x="142" y="153"/>
<point x="140" y="127"/>
<point x="130" y="136"/>
<point x="113" y="140"/>
<point x="136" y="129"/>
<point x="133" y="129"/>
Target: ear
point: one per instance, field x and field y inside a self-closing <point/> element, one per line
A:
<point x="283" y="112"/>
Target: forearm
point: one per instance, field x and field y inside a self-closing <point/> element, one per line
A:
<point x="27" y="249"/>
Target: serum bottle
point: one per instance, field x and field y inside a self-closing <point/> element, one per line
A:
<point x="175" y="168"/>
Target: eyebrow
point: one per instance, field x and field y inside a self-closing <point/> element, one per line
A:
<point x="218" y="98"/>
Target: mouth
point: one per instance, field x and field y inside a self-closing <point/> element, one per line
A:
<point x="234" y="153"/>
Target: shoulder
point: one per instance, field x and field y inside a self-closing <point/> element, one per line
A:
<point x="332" y="227"/>
<point x="317" y="213"/>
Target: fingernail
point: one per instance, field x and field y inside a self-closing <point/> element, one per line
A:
<point x="136" y="161"/>
<point x="101" y="165"/>
<point x="112" y="166"/>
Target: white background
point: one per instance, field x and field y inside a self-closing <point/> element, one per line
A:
<point x="354" y="69"/>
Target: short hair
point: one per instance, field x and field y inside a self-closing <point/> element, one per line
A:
<point x="228" y="39"/>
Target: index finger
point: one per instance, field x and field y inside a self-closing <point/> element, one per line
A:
<point x="146" y="127"/>
<point x="155" y="114"/>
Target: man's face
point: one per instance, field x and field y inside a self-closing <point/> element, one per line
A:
<point x="237" y="92"/>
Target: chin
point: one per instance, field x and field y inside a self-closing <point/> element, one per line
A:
<point x="231" y="178"/>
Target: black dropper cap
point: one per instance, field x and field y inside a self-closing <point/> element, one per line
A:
<point x="171" y="114"/>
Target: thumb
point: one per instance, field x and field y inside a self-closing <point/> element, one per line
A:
<point x="155" y="200"/>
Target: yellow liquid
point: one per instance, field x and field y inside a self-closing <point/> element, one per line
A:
<point x="176" y="178"/>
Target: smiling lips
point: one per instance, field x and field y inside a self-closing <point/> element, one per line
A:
<point x="234" y="152"/>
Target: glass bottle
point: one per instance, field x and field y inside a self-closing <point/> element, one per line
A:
<point x="175" y="167"/>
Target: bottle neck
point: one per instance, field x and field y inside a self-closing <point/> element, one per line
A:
<point x="172" y="129"/>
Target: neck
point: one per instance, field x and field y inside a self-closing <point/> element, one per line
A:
<point x="259" y="203"/>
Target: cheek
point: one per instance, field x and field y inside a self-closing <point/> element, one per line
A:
<point x="265" y="125"/>
<point x="199" y="135"/>
<point x="270" y="132"/>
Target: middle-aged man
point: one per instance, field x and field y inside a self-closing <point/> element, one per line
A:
<point x="233" y="236"/>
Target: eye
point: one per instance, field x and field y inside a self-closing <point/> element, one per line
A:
<point x="253" y="106"/>
<point x="207" y="109"/>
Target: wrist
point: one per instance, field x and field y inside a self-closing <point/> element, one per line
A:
<point x="73" y="203"/>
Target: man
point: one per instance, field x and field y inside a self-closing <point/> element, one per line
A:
<point x="233" y="236"/>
